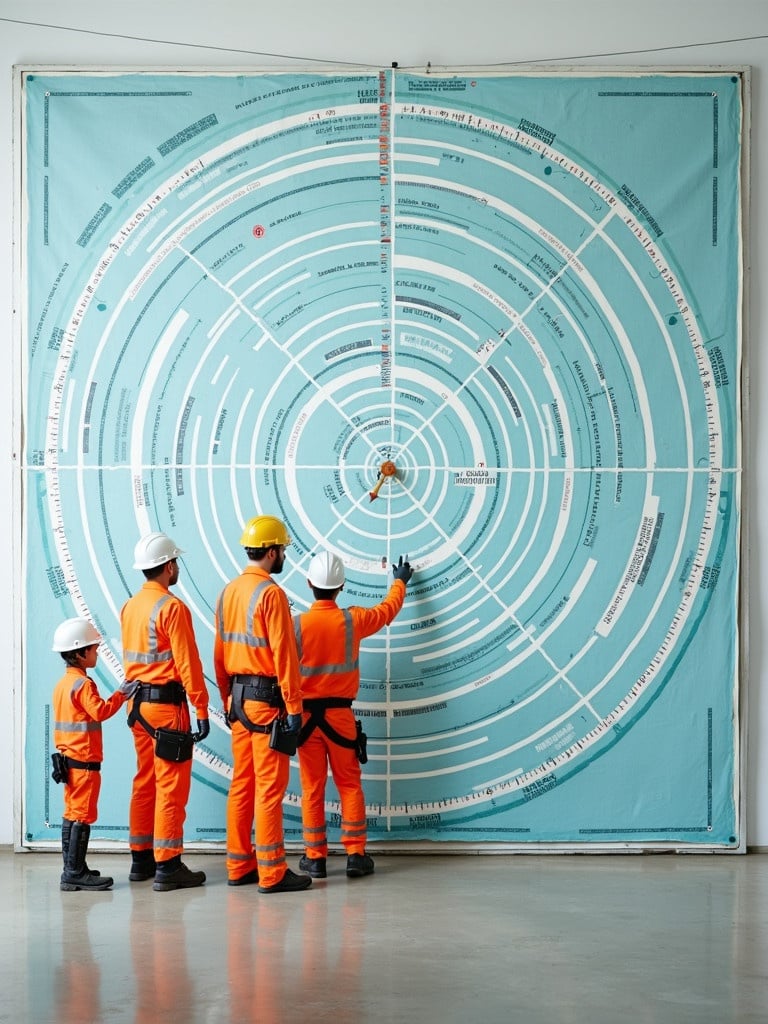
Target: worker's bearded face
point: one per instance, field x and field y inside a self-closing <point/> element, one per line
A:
<point x="279" y="562"/>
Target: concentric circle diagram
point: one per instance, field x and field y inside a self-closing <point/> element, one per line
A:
<point x="467" y="321"/>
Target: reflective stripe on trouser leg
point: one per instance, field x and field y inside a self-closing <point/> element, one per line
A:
<point x="172" y="782"/>
<point x="353" y="835"/>
<point x="313" y="767"/>
<point x="272" y="772"/>
<point x="81" y="795"/>
<point x="142" y="810"/>
<point x="241" y="856"/>
<point x="345" y="769"/>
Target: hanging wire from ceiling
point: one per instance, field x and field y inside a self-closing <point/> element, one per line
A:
<point x="358" y="64"/>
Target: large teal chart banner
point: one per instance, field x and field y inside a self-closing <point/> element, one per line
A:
<point x="488" y="322"/>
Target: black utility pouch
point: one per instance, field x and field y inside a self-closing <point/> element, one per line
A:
<point x="361" y="743"/>
<point x="174" y="745"/>
<point x="60" y="772"/>
<point x="280" y="740"/>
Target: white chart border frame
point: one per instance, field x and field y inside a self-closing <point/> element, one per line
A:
<point x="21" y="612"/>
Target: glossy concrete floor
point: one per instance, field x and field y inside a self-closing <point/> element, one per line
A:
<point x="550" y="939"/>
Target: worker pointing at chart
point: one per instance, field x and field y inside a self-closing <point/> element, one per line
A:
<point x="328" y="639"/>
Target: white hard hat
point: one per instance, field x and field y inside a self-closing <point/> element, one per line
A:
<point x="326" y="571"/>
<point x="72" y="634"/>
<point x="154" y="549"/>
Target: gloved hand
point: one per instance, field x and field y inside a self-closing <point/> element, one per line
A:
<point x="292" y="725"/>
<point x="203" y="728"/>
<point x="402" y="571"/>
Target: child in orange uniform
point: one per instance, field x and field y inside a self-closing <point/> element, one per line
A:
<point x="78" y="712"/>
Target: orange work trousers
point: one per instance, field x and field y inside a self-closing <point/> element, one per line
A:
<point x="315" y="754"/>
<point x="81" y="795"/>
<point x="160" y="788"/>
<point x="259" y="781"/>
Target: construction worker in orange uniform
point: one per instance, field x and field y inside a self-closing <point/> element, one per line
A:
<point x="162" y="670"/>
<point x="78" y="711"/>
<point x="328" y="638"/>
<point x="257" y="672"/>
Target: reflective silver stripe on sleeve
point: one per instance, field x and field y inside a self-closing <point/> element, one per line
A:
<point x="77" y="726"/>
<point x="297" y="631"/>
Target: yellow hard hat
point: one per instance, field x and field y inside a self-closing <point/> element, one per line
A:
<point x="265" y="532"/>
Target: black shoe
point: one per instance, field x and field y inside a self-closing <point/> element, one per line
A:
<point x="313" y="866"/>
<point x="179" y="877"/>
<point x="359" y="864"/>
<point x="86" y="881"/>
<point x="288" y="883"/>
<point x="143" y="866"/>
<point x="250" y="879"/>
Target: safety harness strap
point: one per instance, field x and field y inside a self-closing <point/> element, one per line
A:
<point x="316" y="707"/>
<point x="264" y="689"/>
<point x="167" y="693"/>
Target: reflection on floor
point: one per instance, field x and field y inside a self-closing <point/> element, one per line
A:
<point x="535" y="939"/>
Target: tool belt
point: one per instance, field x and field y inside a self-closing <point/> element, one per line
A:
<point x="61" y="765"/>
<point x="170" y="744"/>
<point x="166" y="693"/>
<point x="316" y="707"/>
<point x="89" y="766"/>
<point x="248" y="687"/>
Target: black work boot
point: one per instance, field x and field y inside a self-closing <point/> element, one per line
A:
<point x="66" y="831"/>
<point x="76" y="876"/>
<point x="172" y="874"/>
<point x="142" y="865"/>
<point x="359" y="864"/>
<point x="313" y="866"/>
<point x="290" y="882"/>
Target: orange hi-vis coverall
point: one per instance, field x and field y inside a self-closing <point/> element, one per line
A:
<point x="254" y="637"/>
<point x="78" y="712"/>
<point x="328" y="638"/>
<point x="159" y="648"/>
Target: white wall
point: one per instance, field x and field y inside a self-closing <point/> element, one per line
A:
<point x="446" y="33"/>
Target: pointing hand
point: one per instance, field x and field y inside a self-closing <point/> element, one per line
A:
<point x="402" y="571"/>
